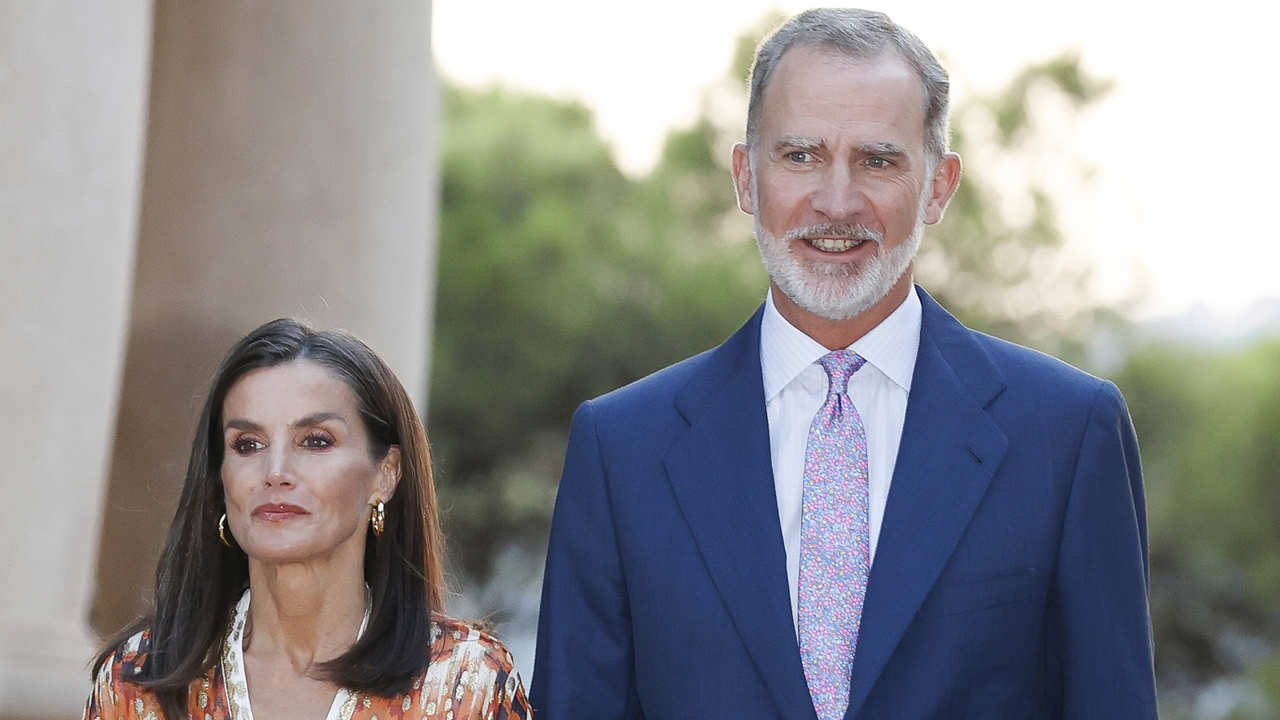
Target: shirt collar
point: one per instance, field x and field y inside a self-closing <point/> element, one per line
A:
<point x="890" y="347"/>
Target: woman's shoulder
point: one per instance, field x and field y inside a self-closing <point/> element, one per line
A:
<point x="127" y="658"/>
<point x="450" y="637"/>
<point x="471" y="675"/>
<point x="113" y="694"/>
<point x="116" y="691"/>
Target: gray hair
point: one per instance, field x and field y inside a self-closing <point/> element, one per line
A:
<point x="860" y="35"/>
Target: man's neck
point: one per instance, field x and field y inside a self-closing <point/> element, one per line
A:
<point x="838" y="334"/>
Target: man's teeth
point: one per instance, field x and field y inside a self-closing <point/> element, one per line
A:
<point x="834" y="244"/>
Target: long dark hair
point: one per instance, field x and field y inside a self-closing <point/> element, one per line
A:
<point x="199" y="580"/>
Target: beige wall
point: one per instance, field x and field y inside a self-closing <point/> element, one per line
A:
<point x="72" y="116"/>
<point x="287" y="168"/>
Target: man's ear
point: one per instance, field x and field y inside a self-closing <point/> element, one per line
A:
<point x="742" y="178"/>
<point x="943" y="184"/>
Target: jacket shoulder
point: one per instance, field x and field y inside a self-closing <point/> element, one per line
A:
<point x="691" y="381"/>
<point x="655" y="389"/>
<point x="1057" y="391"/>
<point x="1023" y="364"/>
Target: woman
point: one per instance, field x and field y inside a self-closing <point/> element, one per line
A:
<point x="302" y="573"/>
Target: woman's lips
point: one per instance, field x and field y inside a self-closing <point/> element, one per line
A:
<point x="278" y="511"/>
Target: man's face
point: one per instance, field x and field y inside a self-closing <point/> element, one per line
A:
<point x="839" y="182"/>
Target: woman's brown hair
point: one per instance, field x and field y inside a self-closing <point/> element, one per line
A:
<point x="199" y="580"/>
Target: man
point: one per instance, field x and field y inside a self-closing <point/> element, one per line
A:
<point x="855" y="507"/>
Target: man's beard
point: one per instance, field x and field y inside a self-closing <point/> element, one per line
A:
<point x="837" y="291"/>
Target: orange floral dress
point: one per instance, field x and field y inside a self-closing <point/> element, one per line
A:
<point x="470" y="677"/>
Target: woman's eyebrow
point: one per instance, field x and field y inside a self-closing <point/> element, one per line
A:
<point x="318" y="418"/>
<point x="315" y="418"/>
<point x="241" y="424"/>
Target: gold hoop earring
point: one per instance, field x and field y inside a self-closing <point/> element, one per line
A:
<point x="378" y="518"/>
<point x="222" y="530"/>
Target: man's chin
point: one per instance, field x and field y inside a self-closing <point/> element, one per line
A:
<point x="843" y="312"/>
<point x="836" y="305"/>
<point x="835" y="292"/>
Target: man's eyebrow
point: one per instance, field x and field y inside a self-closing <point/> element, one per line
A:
<point x="882" y="148"/>
<point x="798" y="142"/>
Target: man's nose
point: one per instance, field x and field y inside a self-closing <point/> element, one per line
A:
<point x="840" y="197"/>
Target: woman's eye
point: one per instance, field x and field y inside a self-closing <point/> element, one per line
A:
<point x="246" y="445"/>
<point x="317" y="440"/>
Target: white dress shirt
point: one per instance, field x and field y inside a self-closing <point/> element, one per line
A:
<point x="795" y="386"/>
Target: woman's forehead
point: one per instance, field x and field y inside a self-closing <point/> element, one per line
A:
<point x="290" y="390"/>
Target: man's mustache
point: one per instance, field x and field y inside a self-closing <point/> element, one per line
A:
<point x="842" y="232"/>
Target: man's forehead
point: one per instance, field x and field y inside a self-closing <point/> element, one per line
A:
<point x="818" y="82"/>
<point x="801" y="60"/>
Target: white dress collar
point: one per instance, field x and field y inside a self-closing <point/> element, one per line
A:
<point x="237" y="688"/>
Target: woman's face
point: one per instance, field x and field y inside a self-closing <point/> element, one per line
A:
<point x="297" y="468"/>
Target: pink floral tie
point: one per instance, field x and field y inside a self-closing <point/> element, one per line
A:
<point x="835" y="550"/>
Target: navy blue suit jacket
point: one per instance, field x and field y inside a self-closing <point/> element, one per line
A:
<point x="1010" y="579"/>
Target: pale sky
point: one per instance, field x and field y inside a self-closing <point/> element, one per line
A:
<point x="1184" y="146"/>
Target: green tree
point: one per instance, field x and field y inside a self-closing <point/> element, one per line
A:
<point x="1208" y="424"/>
<point x="998" y="260"/>
<point x="560" y="279"/>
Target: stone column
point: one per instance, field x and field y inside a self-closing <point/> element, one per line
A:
<point x="73" y="79"/>
<point x="290" y="170"/>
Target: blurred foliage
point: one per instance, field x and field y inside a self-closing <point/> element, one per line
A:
<point x="561" y="278"/>
<point x="998" y="261"/>
<point x="1209" y="423"/>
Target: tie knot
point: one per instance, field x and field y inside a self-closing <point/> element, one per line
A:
<point x="840" y="366"/>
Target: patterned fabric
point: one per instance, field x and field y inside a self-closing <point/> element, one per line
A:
<point x="834" y="540"/>
<point x="471" y="677"/>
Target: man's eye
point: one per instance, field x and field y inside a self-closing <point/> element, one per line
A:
<point x="317" y="440"/>
<point x="877" y="163"/>
<point x="246" y="445"/>
<point x="799" y="156"/>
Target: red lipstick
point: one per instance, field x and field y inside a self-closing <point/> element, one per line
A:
<point x="276" y="512"/>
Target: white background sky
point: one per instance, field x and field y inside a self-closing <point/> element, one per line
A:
<point x="1185" y="146"/>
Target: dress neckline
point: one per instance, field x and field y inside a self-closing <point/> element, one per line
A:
<point x="237" y="687"/>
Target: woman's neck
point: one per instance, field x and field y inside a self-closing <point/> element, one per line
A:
<point x="303" y="613"/>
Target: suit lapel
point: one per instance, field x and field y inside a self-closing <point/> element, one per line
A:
<point x="722" y="476"/>
<point x="949" y="452"/>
